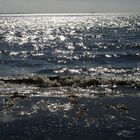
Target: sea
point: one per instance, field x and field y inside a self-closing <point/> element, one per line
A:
<point x="76" y="76"/>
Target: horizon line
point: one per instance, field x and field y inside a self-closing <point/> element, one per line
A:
<point x="86" y="13"/>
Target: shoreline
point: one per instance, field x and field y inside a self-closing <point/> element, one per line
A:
<point x="55" y="81"/>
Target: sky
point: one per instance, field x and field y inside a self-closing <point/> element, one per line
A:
<point x="69" y="6"/>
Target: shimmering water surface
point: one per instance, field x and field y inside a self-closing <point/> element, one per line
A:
<point x="70" y="76"/>
<point x="69" y="45"/>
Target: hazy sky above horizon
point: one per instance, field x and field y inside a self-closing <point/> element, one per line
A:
<point x="64" y="6"/>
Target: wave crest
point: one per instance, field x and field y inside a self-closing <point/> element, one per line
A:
<point x="55" y="81"/>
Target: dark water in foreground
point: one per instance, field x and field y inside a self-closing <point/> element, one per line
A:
<point x="70" y="77"/>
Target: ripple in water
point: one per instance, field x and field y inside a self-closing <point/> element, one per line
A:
<point x="69" y="41"/>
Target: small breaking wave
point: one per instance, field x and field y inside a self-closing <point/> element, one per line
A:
<point x="62" y="81"/>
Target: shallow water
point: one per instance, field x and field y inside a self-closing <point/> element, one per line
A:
<point x="63" y="118"/>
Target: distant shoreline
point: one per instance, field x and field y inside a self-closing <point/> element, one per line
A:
<point x="64" y="14"/>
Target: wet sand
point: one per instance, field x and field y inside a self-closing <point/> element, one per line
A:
<point x="29" y="112"/>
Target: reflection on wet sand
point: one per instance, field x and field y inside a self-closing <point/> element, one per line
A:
<point x="70" y="112"/>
